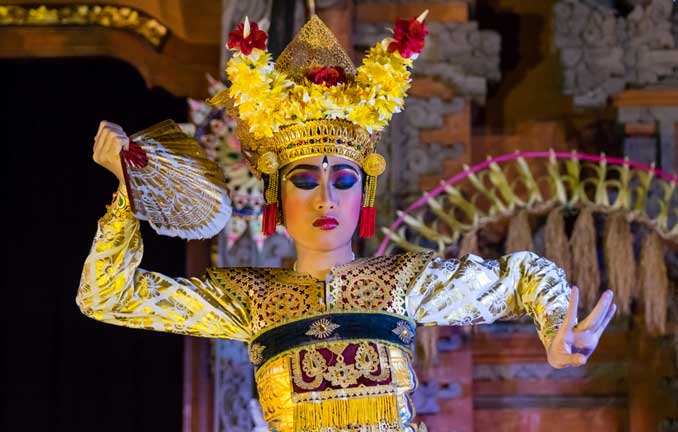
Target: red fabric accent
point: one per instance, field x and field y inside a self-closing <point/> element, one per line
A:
<point x="256" y="38"/>
<point x="368" y="220"/>
<point x="349" y="359"/>
<point x="135" y="156"/>
<point x="408" y="37"/>
<point x="270" y="219"/>
<point x="328" y="75"/>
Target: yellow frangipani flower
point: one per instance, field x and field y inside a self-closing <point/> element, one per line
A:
<point x="267" y="99"/>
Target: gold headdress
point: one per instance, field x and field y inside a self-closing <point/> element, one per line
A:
<point x="313" y="101"/>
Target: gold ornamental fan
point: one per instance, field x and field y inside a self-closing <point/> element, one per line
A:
<point x="173" y="185"/>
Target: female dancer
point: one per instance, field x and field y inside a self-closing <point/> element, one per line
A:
<point x="331" y="339"/>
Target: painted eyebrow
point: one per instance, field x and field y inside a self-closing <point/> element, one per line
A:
<point x="337" y="167"/>
<point x="303" y="166"/>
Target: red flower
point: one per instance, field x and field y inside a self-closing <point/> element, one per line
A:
<point x="328" y="75"/>
<point x="408" y="37"/>
<point x="255" y="39"/>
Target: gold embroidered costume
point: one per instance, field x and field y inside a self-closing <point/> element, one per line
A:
<point x="327" y="384"/>
<point x="331" y="355"/>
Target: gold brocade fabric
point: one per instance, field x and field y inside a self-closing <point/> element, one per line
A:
<point x="356" y="385"/>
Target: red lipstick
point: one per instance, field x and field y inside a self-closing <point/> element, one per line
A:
<point x="326" y="223"/>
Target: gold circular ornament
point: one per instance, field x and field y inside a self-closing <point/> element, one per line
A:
<point x="374" y="164"/>
<point x="268" y="163"/>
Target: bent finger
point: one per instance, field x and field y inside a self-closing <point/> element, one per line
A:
<point x="100" y="144"/>
<point x="599" y="312"/>
<point x="608" y="317"/>
<point x="116" y="142"/>
<point x="102" y="126"/>
<point x="111" y="146"/>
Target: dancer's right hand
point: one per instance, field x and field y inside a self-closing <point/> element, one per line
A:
<point x="108" y="142"/>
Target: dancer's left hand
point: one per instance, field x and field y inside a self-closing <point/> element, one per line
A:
<point x="574" y="343"/>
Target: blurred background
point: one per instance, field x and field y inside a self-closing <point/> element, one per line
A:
<point x="524" y="83"/>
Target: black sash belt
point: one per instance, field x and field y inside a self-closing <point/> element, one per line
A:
<point x="330" y="328"/>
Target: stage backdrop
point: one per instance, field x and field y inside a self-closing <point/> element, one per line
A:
<point x="62" y="371"/>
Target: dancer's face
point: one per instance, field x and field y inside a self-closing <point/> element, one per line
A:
<point x="321" y="201"/>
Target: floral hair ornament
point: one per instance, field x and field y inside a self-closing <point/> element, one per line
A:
<point x="313" y="101"/>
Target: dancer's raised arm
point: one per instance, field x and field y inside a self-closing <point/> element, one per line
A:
<point x="115" y="290"/>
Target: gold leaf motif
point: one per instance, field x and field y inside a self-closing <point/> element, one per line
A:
<point x="322" y="328"/>
<point x="283" y="303"/>
<point x="367" y="293"/>
<point x="342" y="375"/>
<point x="256" y="352"/>
<point x="314" y="364"/>
<point x="366" y="359"/>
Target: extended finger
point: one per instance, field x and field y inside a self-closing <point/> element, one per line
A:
<point x="571" y="316"/>
<point x="599" y="319"/>
<point x="606" y="321"/>
<point x="597" y="315"/>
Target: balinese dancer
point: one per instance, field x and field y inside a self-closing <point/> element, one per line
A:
<point x="331" y="339"/>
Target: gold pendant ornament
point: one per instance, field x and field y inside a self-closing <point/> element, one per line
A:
<point x="322" y="328"/>
<point x="403" y="331"/>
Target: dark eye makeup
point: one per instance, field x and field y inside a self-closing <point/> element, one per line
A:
<point x="307" y="181"/>
<point x="304" y="181"/>
<point x="344" y="180"/>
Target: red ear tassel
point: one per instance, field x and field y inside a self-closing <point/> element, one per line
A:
<point x="368" y="217"/>
<point x="270" y="219"/>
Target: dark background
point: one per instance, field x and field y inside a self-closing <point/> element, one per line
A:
<point x="62" y="371"/>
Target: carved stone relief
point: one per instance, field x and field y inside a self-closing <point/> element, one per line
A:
<point x="603" y="53"/>
<point x="233" y="379"/>
<point x="458" y="54"/>
<point x="408" y="159"/>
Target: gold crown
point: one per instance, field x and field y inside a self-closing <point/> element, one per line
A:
<point x="280" y="110"/>
<point x="314" y="45"/>
<point x="331" y="137"/>
<point x="313" y="101"/>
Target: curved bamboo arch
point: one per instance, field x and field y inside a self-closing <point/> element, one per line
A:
<point x="574" y="179"/>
